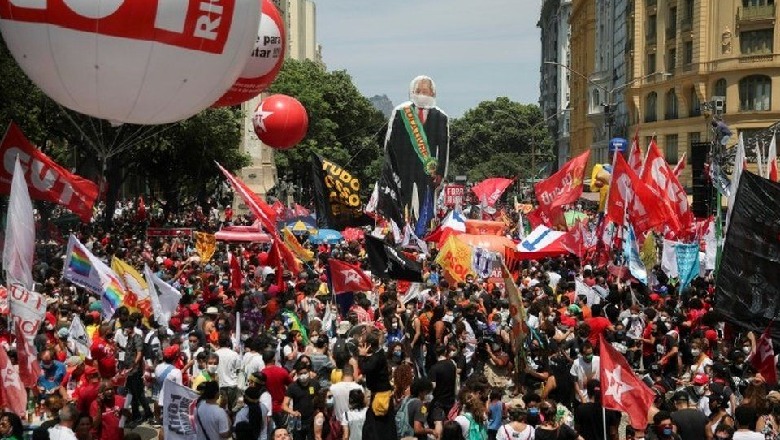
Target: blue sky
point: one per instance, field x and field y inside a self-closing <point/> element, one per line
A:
<point x="474" y="50"/>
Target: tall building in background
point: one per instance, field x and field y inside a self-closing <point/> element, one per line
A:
<point x="582" y="46"/>
<point x="554" y="84"/>
<point x="300" y="21"/>
<point x="714" y="58"/>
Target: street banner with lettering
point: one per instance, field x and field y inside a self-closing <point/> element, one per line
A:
<point x="563" y="187"/>
<point x="455" y="258"/>
<point x="748" y="280"/>
<point x="454" y="195"/>
<point x="179" y="405"/>
<point x="28" y="309"/>
<point x="336" y="196"/>
<point x="46" y="179"/>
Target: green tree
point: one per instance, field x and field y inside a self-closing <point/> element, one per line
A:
<point x="500" y="138"/>
<point x="343" y="125"/>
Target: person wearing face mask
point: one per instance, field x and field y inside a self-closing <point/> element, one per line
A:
<point x="701" y="363"/>
<point x="663" y="428"/>
<point x="417" y="407"/>
<point x="207" y="364"/>
<point x="584" y="369"/>
<point x="301" y="394"/>
<point x="417" y="145"/>
<point x="395" y="331"/>
<point x="52" y="373"/>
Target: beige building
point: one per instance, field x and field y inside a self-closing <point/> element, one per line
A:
<point x="712" y="58"/>
<point x="300" y="19"/>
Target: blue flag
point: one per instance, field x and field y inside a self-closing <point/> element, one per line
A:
<point x="426" y="214"/>
<point x="687" y="263"/>
<point x="631" y="252"/>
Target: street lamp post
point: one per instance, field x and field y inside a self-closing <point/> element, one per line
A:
<point x="609" y="106"/>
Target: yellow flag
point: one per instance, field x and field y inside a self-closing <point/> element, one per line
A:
<point x="455" y="258"/>
<point x="136" y="291"/>
<point x="648" y="254"/>
<point x="292" y="243"/>
<point x="205" y="245"/>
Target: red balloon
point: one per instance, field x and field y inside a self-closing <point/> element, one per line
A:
<point x="280" y="121"/>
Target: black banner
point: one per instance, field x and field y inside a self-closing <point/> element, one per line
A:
<point x="337" y="196"/>
<point x="385" y="261"/>
<point x="389" y="202"/>
<point x="748" y="282"/>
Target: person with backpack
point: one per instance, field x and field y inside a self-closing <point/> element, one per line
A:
<point x="472" y="420"/>
<point x="411" y="419"/>
<point x="516" y="429"/>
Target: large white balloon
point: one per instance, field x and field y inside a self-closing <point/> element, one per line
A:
<point x="133" y="61"/>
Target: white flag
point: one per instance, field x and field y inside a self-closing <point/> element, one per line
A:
<point x="179" y="412"/>
<point x="669" y="258"/>
<point x="739" y="166"/>
<point x="165" y="299"/>
<point x="19" y="232"/>
<point x="78" y="339"/>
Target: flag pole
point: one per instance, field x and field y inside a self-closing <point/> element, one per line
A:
<point x="604" y="420"/>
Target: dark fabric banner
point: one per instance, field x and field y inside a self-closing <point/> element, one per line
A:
<point x="337" y="196"/>
<point x="389" y="201"/>
<point x="748" y="282"/>
<point x="386" y="261"/>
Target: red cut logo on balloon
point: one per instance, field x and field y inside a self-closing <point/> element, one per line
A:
<point x="131" y="61"/>
<point x="264" y="62"/>
<point x="280" y="121"/>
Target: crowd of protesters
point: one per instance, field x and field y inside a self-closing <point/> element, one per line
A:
<point x="439" y="366"/>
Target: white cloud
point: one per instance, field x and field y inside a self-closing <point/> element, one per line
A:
<point x="474" y="50"/>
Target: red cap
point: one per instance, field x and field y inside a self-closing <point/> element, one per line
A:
<point x="171" y="351"/>
<point x="711" y="335"/>
<point x="701" y="379"/>
<point x="654" y="297"/>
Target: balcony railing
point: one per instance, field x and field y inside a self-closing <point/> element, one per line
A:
<point x="760" y="12"/>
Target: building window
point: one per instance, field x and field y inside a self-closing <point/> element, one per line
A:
<point x="651" y="104"/>
<point x="695" y="103"/>
<point x="748" y="3"/>
<point x="652" y="24"/>
<point x="671" y="60"/>
<point x="671" y="105"/>
<point x="756" y="42"/>
<point x="672" y="21"/>
<point x="650" y="66"/>
<point x="720" y="90"/>
<point x="688" y="13"/>
<point x="755" y="93"/>
<point x="670" y="150"/>
<point x="688" y="53"/>
<point x="648" y="140"/>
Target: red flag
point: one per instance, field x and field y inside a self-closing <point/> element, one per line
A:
<point x="279" y="209"/>
<point x="680" y="165"/>
<point x="140" y="212"/>
<point x="771" y="161"/>
<point x="660" y="178"/>
<point x="262" y="210"/>
<point x="275" y="261"/>
<point x="621" y="389"/>
<point x="301" y="211"/>
<point x="579" y="240"/>
<point x="563" y="187"/>
<point x="12" y="393"/>
<point x="489" y="190"/>
<point x="236" y="278"/>
<point x="46" y="179"/>
<point x="347" y="277"/>
<point x="635" y="155"/>
<point x="629" y="193"/>
<point x="763" y="359"/>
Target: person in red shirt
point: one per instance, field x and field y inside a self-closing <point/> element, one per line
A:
<point x="598" y="325"/>
<point x="106" y="411"/>
<point x="277" y="380"/>
<point x="74" y="375"/>
<point x="104" y="352"/>
<point x="87" y="391"/>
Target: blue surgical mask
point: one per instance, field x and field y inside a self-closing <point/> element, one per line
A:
<point x="533" y="411"/>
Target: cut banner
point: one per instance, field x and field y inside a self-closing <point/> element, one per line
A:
<point x="28" y="309"/>
<point x="179" y="406"/>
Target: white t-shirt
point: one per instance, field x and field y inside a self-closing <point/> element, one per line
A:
<point x="227" y="370"/>
<point x="506" y="432"/>
<point x="213" y="419"/>
<point x="340" y="393"/>
<point x="59" y="432"/>
<point x="173" y="376"/>
<point x="354" y="420"/>
<point x="583" y="372"/>
<point x="748" y="435"/>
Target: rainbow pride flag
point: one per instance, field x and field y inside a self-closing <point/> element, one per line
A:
<point x="79" y="262"/>
<point x="84" y="269"/>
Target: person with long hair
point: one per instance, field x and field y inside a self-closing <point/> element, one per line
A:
<point x="323" y="412"/>
<point x="552" y="428"/>
<point x="451" y="430"/>
<point x="254" y="415"/>
<point x="11" y="427"/>
<point x="354" y="419"/>
<point x="473" y="415"/>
